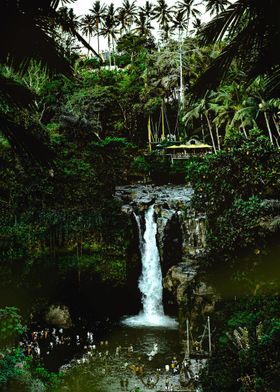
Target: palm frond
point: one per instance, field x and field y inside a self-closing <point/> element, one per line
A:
<point x="15" y="93"/>
<point x="227" y="22"/>
<point x="21" y="39"/>
<point x="236" y="49"/>
<point x="24" y="142"/>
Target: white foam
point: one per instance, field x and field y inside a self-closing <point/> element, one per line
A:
<point x="141" y="321"/>
<point x="150" y="281"/>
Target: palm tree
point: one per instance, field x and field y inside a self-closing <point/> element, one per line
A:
<point x="87" y="25"/>
<point x="180" y="22"/>
<point x="109" y="28"/>
<point x="162" y="13"/>
<point x="98" y="13"/>
<point x="122" y="20"/>
<point x="267" y="107"/>
<point x="143" y="26"/>
<point x="216" y="6"/>
<point x="188" y="9"/>
<point x="128" y="12"/>
<point x="253" y="29"/>
<point x="148" y="11"/>
<point x="69" y="23"/>
<point x="199" y="110"/>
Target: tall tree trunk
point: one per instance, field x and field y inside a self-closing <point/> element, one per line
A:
<point x="181" y="71"/>
<point x="114" y="57"/>
<point x="109" y="48"/>
<point x="98" y="39"/>
<point x="88" y="42"/>
<point x="218" y="137"/>
<point x="268" y="126"/>
<point x="162" y="121"/>
<point x="202" y="128"/>
<point x="276" y="141"/>
<point x="210" y="131"/>
<point x="274" y="118"/>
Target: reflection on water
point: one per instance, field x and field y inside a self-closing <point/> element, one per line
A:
<point x="129" y="357"/>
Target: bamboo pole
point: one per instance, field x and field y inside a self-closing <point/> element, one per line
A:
<point x="188" y="338"/>
<point x="162" y="121"/>
<point x="149" y="133"/>
<point x="209" y="334"/>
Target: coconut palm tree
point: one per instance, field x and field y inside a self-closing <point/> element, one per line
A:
<point x="109" y="29"/>
<point x="87" y="26"/>
<point x="267" y="107"/>
<point x="122" y="20"/>
<point x="148" y="10"/>
<point x="216" y="6"/>
<point x="189" y="9"/>
<point x="252" y="28"/>
<point x="201" y="110"/>
<point x="69" y="23"/>
<point x="143" y="26"/>
<point x="98" y="13"/>
<point x="128" y="11"/>
<point x="180" y="22"/>
<point x="163" y="15"/>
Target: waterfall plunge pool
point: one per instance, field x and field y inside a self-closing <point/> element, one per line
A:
<point x="107" y="367"/>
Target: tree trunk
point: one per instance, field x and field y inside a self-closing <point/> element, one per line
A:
<point x="268" y="126"/>
<point x="244" y="131"/>
<point x="202" y="128"/>
<point x="98" y="36"/>
<point x="274" y="118"/>
<point x="181" y="71"/>
<point x="218" y="137"/>
<point x="88" y="42"/>
<point x="109" y="48"/>
<point x="210" y="131"/>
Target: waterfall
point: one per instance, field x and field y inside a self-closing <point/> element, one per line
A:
<point x="150" y="281"/>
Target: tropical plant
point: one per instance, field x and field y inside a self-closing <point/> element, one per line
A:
<point x="69" y="23"/>
<point x="163" y="15"/>
<point x="252" y="28"/>
<point x="200" y="110"/>
<point x="98" y="12"/>
<point x="127" y="14"/>
<point x="189" y="9"/>
<point x="34" y="26"/>
<point x="148" y="10"/>
<point x="216" y="6"/>
<point x="143" y="26"/>
<point x="10" y="326"/>
<point x="109" y="29"/>
<point x="87" y="26"/>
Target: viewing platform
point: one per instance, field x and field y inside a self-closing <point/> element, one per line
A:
<point x="185" y="151"/>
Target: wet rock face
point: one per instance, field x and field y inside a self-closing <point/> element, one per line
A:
<point x="195" y="298"/>
<point x="181" y="232"/>
<point x="179" y="278"/>
<point x="142" y="196"/>
<point x="193" y="233"/>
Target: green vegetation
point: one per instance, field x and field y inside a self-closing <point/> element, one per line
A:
<point x="19" y="372"/>
<point x="74" y="126"/>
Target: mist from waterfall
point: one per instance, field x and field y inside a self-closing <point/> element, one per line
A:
<point x="150" y="281"/>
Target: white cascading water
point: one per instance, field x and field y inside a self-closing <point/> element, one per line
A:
<point x="150" y="281"/>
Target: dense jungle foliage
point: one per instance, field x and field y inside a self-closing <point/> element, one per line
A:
<point x="74" y="125"/>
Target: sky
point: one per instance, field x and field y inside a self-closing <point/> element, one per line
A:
<point x="81" y="7"/>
